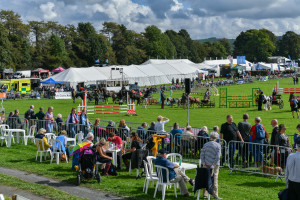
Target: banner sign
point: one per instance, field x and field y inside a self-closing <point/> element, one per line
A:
<point x="241" y="60"/>
<point x="63" y="95"/>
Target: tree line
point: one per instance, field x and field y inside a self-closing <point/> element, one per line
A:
<point x="50" y="44"/>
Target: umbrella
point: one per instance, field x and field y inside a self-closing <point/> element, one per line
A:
<point x="80" y="147"/>
<point x="50" y="81"/>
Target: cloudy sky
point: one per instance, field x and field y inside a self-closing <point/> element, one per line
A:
<point x="201" y="18"/>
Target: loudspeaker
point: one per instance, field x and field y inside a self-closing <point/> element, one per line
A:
<point x="187" y="83"/>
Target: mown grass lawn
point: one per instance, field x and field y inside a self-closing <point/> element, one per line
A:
<point x="231" y="186"/>
<point x="235" y="186"/>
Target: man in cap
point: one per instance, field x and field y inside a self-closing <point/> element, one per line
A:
<point x="210" y="158"/>
<point x="292" y="175"/>
<point x="175" y="173"/>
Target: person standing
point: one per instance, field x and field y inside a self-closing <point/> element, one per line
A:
<point x="72" y="122"/>
<point x="260" y="101"/>
<point x="73" y="94"/>
<point x="258" y="135"/>
<point x="141" y="131"/>
<point x="16" y="119"/>
<point x="96" y="96"/>
<point x="160" y="127"/>
<point x="29" y="114"/>
<point x="210" y="158"/>
<point x="50" y="119"/>
<point x="84" y="122"/>
<point x="292" y="175"/>
<point x="230" y="132"/>
<point x="244" y="128"/>
<point x="294" y="106"/>
<point x="274" y="141"/>
<point x="162" y="98"/>
<point x="283" y="142"/>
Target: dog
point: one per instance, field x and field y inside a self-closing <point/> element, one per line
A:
<point x="271" y="170"/>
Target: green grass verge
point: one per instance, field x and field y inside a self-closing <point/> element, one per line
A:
<point x="41" y="190"/>
<point x="231" y="186"/>
<point x="234" y="186"/>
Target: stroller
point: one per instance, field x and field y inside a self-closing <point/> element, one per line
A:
<point x="87" y="166"/>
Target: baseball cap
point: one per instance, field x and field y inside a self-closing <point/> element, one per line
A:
<point x="162" y="151"/>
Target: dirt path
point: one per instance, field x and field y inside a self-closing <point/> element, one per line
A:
<point x="10" y="191"/>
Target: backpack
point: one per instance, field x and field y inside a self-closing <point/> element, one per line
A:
<point x="291" y="103"/>
<point x="150" y="144"/>
<point x="260" y="132"/>
<point x="112" y="170"/>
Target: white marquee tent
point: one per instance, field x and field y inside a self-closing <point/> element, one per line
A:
<point x="153" y="72"/>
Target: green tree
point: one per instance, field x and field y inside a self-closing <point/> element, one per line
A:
<point x="179" y="43"/>
<point x="5" y="51"/>
<point x="226" y="44"/>
<point x="158" y="45"/>
<point x="290" y="45"/>
<point x="256" y="45"/>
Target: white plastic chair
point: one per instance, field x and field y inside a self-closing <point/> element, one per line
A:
<point x="41" y="151"/>
<point x="79" y="137"/>
<point x="3" y="137"/>
<point x="51" y="137"/>
<point x="149" y="177"/>
<point x="150" y="165"/>
<point x="30" y="134"/>
<point x="160" y="182"/>
<point x="173" y="157"/>
<point x="198" y="191"/>
<point x="57" y="152"/>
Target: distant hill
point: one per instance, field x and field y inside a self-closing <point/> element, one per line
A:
<point x="214" y="39"/>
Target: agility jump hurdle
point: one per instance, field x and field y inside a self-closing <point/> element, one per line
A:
<point x="238" y="101"/>
<point x="285" y="90"/>
<point x="101" y="110"/>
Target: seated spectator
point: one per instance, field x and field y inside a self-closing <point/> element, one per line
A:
<point x="151" y="130"/>
<point x="110" y="128"/>
<point x="89" y="138"/>
<point x="203" y="132"/>
<point x="176" y="133"/>
<point x="296" y="137"/>
<point x="123" y="129"/>
<point x="63" y="140"/>
<point x="2" y="118"/>
<point x="135" y="144"/>
<point x="141" y="131"/>
<point x="17" y="124"/>
<point x="115" y="139"/>
<point x="41" y="135"/>
<point x="202" y="137"/>
<point x="102" y="157"/>
<point x="175" y="173"/>
<point x="10" y="120"/>
<point x="187" y="140"/>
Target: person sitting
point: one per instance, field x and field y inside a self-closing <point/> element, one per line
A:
<point x="135" y="144"/>
<point x="102" y="157"/>
<point x="115" y="139"/>
<point x="63" y="141"/>
<point x="41" y="135"/>
<point x="176" y="133"/>
<point x="110" y="128"/>
<point x="187" y="140"/>
<point x="175" y="173"/>
<point x="151" y="130"/>
<point x="141" y="131"/>
<point x="89" y="138"/>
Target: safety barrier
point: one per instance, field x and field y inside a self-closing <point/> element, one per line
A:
<point x="257" y="158"/>
<point x="238" y="101"/>
<point x="113" y="109"/>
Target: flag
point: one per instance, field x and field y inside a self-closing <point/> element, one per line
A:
<point x="97" y="61"/>
<point x="289" y="57"/>
<point x="241" y="60"/>
<point x="106" y="60"/>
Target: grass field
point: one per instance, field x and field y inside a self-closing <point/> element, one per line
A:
<point x="234" y="186"/>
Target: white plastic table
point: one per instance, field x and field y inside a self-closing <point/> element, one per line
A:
<point x="10" y="135"/>
<point x="114" y="153"/>
<point x="71" y="140"/>
<point x="186" y="166"/>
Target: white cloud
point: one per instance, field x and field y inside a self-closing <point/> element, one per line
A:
<point x="48" y="12"/>
<point x="213" y="18"/>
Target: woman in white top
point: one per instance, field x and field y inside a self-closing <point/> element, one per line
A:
<point x="160" y="127"/>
